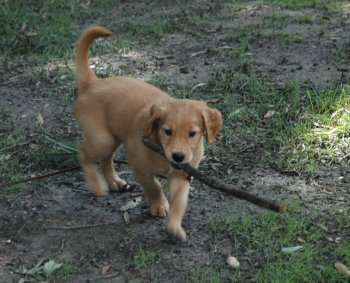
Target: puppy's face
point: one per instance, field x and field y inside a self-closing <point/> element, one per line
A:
<point x="180" y="126"/>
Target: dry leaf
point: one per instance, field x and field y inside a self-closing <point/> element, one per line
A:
<point x="199" y="85"/>
<point x="33" y="146"/>
<point x="300" y="240"/>
<point x="105" y="269"/>
<point x="40" y="120"/>
<point x="124" y="66"/>
<point x="291" y="249"/>
<point x="131" y="204"/>
<point x="85" y="5"/>
<point x="232" y="262"/>
<point x="50" y="267"/>
<point x="323" y="227"/>
<point x="342" y="269"/>
<point x="269" y="114"/>
<point x="126" y="217"/>
<point x="24" y="26"/>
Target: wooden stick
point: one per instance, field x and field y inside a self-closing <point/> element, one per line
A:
<point x="36" y="178"/>
<point x="40" y="177"/>
<point x="215" y="183"/>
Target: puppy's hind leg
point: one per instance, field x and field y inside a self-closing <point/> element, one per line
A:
<point x="94" y="180"/>
<point x="99" y="146"/>
<point x="114" y="181"/>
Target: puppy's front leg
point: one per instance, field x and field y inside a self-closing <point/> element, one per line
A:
<point x="179" y="188"/>
<point x="158" y="203"/>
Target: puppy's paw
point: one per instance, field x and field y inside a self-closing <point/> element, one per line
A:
<point x="176" y="232"/>
<point x="98" y="187"/>
<point x="159" y="208"/>
<point x="117" y="184"/>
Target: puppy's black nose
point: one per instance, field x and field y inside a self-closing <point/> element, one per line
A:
<point x="178" y="156"/>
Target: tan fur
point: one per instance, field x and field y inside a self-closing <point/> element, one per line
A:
<point x="120" y="110"/>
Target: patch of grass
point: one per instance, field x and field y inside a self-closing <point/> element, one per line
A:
<point x="263" y="120"/>
<point x="170" y="86"/>
<point x="38" y="27"/>
<point x="319" y="4"/>
<point x="341" y="56"/>
<point x="275" y="21"/>
<point x="210" y="275"/>
<point x="24" y="152"/>
<point x="262" y="237"/>
<point x="283" y="37"/>
<point x="68" y="269"/>
<point x="145" y="260"/>
<point x="322" y="133"/>
<point x="304" y="19"/>
<point x="134" y="30"/>
<point x="56" y="82"/>
<point x="296" y="3"/>
<point x="245" y="102"/>
<point x="242" y="53"/>
<point x="50" y="29"/>
<point x="332" y="6"/>
<point x="10" y="166"/>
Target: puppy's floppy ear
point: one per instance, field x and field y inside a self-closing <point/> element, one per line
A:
<point x="212" y="123"/>
<point x="156" y="114"/>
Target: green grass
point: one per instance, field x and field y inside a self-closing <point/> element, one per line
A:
<point x="145" y="261"/>
<point x="26" y="151"/>
<point x="262" y="237"/>
<point x="319" y="4"/>
<point x="50" y="29"/>
<point x="39" y="27"/>
<point x="321" y="134"/>
<point x="68" y="269"/>
<point x="10" y="155"/>
<point x="328" y="5"/>
<point x="142" y="32"/>
<point x="283" y="37"/>
<point x="303" y="135"/>
<point x="210" y="275"/>
<point x="56" y="82"/>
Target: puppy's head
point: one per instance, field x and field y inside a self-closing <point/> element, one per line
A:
<point x="180" y="125"/>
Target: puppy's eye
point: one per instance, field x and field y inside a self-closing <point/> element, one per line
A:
<point x="192" y="134"/>
<point x="168" y="132"/>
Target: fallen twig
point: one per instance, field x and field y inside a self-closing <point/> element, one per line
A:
<point x="61" y="248"/>
<point x="115" y="274"/>
<point x="80" y="227"/>
<point x="40" y="177"/>
<point x="36" y="178"/>
<point x="215" y="183"/>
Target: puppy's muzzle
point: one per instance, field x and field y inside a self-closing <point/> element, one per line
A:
<point x="178" y="157"/>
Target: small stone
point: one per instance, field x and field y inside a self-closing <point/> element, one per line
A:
<point x="232" y="262"/>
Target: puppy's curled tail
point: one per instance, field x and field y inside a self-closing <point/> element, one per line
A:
<point x="84" y="74"/>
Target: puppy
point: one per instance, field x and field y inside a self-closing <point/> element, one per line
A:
<point x="121" y="110"/>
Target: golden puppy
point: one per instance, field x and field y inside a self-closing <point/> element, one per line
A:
<point x="121" y="110"/>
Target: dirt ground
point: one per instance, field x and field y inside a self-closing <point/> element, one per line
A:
<point x="58" y="218"/>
